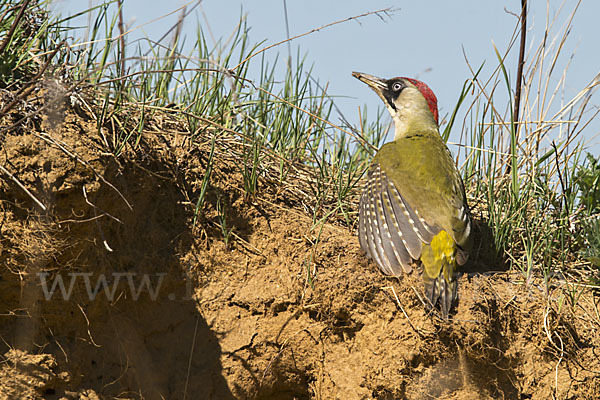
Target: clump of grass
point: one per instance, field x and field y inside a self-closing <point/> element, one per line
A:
<point x="588" y="185"/>
<point x="24" y="27"/>
<point x="281" y="130"/>
<point x="591" y="247"/>
<point x="276" y="129"/>
<point x="523" y="175"/>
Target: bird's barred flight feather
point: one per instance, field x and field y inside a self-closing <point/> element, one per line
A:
<point x="390" y="231"/>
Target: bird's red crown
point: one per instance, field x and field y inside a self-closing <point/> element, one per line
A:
<point x="429" y="96"/>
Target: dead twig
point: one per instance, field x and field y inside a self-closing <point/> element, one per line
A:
<point x="104" y="241"/>
<point x="521" y="61"/>
<point x="14" y="178"/>
<point x="189" y="367"/>
<point x="386" y="11"/>
<point x="88" y="327"/>
<point x="418" y="331"/>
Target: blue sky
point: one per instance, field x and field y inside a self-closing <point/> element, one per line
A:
<point x="422" y="39"/>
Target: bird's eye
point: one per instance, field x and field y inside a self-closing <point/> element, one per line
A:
<point x="397" y="87"/>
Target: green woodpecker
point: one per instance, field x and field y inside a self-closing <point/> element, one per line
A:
<point x="413" y="207"/>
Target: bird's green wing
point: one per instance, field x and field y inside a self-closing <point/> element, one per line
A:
<point x="389" y="230"/>
<point x="423" y="172"/>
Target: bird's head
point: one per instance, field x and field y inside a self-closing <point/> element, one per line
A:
<point x="411" y="103"/>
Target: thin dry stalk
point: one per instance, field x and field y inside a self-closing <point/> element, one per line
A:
<point x="387" y="11"/>
<point x="23" y="188"/>
<point x="521" y="61"/>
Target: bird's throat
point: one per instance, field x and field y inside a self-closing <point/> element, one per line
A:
<point x="413" y="123"/>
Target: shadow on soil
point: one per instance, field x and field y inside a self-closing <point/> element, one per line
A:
<point x="123" y="323"/>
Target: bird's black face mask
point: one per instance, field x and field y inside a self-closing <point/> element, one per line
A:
<point x="393" y="90"/>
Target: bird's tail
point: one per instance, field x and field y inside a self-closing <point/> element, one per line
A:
<point x="439" y="271"/>
<point x="441" y="290"/>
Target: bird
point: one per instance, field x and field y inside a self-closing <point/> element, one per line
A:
<point x="413" y="210"/>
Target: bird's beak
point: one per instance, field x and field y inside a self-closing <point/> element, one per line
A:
<point x="377" y="84"/>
